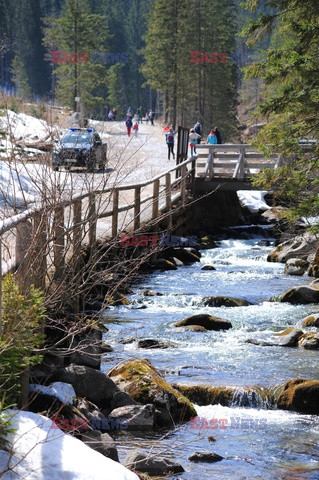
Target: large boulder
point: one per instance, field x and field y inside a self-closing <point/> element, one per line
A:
<point x="311" y="321"/>
<point x="221" y="301"/>
<point x="146" y="385"/>
<point x="309" y="341"/>
<point x="204" y="320"/>
<point x="88" y="383"/>
<point x="288" y="338"/>
<point x="156" y="465"/>
<point x="136" y="417"/>
<point x="302" y="294"/>
<point x="300" y="395"/>
<point x="298" y="247"/>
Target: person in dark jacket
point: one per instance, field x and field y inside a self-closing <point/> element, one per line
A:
<point x="170" y="141"/>
<point x="199" y="130"/>
<point x="128" y="124"/>
<point x="218" y="135"/>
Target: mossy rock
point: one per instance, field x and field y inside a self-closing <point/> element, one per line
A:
<point x="146" y="385"/>
<point x="301" y="396"/>
<point x="204" y="320"/>
<point x="206" y="395"/>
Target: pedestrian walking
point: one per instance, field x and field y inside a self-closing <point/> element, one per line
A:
<point x="140" y="115"/>
<point x="198" y="128"/>
<point x="151" y="115"/>
<point x="114" y="111"/>
<point x="147" y="117"/>
<point x="212" y="139"/>
<point x="128" y="124"/>
<point x="170" y="139"/>
<point x="110" y="116"/>
<point x="218" y="135"/>
<point x="193" y="137"/>
<point x="135" y="128"/>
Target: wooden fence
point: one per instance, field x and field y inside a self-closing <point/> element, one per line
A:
<point x="34" y="243"/>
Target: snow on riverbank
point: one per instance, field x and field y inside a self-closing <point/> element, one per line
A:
<point x="41" y="452"/>
<point x="254" y="200"/>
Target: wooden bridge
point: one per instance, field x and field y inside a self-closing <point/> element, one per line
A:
<point x="230" y="166"/>
<point x="55" y="231"/>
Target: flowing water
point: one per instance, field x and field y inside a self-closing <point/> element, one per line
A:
<point x="258" y="440"/>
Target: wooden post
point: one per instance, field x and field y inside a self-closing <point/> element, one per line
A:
<point x="168" y="198"/>
<point x="92" y="220"/>
<point x="137" y="207"/>
<point x="77" y="241"/>
<point x="156" y="187"/>
<point x="77" y="229"/>
<point x="115" y="215"/>
<point x="39" y="250"/>
<point x="183" y="184"/>
<point x="58" y="242"/>
<point x="193" y="175"/>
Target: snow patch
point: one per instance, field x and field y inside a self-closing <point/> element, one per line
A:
<point x="253" y="199"/>
<point x="60" y="390"/>
<point x="42" y="452"/>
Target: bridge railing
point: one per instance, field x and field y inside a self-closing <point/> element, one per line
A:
<point x="38" y="242"/>
<point x="235" y="161"/>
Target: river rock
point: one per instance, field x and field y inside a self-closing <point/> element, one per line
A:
<point x="187" y="255"/>
<point x="88" y="383"/>
<point x="137" y="417"/>
<point x="296" y="266"/>
<point x="162" y="264"/>
<point x="309" y="341"/>
<point x="121" y="399"/>
<point x="288" y="337"/>
<point x="150" y="293"/>
<point x="142" y="462"/>
<point x="222" y="301"/>
<point x="152" y="343"/>
<point x="87" y="409"/>
<point x="208" y="267"/>
<point x="88" y="348"/>
<point x="301" y="396"/>
<point x="205" y="456"/>
<point x="298" y="247"/>
<point x="302" y="294"/>
<point x="204" y="320"/>
<point x="206" y="395"/>
<point x="311" y="321"/>
<point x="102" y="443"/>
<point x="146" y="385"/>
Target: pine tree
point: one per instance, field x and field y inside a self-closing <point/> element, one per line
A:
<point x="290" y="73"/>
<point x="20" y="78"/>
<point x="78" y="31"/>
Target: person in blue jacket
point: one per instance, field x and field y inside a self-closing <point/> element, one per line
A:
<point x="212" y="139"/>
<point x="170" y="138"/>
